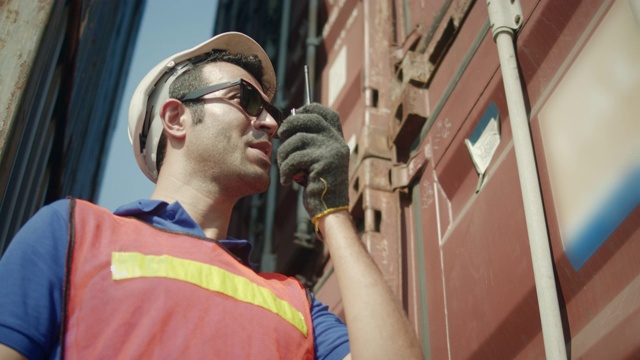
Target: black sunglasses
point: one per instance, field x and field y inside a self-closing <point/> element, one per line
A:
<point x="251" y="100"/>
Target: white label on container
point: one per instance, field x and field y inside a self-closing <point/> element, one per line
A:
<point x="484" y="141"/>
<point x="483" y="150"/>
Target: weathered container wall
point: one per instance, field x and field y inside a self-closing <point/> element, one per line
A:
<point x="28" y="29"/>
<point x="62" y="66"/>
<point x="584" y="89"/>
<point x="356" y="39"/>
<point x="412" y="81"/>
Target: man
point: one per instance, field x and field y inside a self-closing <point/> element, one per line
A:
<point x="160" y="278"/>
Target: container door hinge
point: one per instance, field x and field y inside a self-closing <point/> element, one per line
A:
<point x="402" y="175"/>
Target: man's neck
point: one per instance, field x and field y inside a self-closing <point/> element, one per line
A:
<point x="208" y="207"/>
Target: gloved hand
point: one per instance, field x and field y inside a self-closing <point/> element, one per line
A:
<point x="313" y="144"/>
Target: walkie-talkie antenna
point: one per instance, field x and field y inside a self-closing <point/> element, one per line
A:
<point x="307" y="84"/>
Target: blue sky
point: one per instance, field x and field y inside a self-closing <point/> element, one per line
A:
<point x="167" y="27"/>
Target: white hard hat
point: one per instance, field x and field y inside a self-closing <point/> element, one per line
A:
<point x="145" y="126"/>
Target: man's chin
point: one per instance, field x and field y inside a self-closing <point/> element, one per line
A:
<point x="265" y="185"/>
<point x="260" y="184"/>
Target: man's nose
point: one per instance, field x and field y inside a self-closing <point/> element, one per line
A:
<point x="266" y="122"/>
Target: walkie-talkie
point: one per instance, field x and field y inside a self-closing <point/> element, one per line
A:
<point x="301" y="177"/>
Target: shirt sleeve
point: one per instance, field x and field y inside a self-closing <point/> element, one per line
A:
<point x="330" y="333"/>
<point x="31" y="277"/>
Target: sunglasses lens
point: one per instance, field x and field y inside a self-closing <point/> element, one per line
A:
<point x="250" y="100"/>
<point x="253" y="103"/>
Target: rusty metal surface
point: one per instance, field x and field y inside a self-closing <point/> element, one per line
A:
<point x="25" y="131"/>
<point x="602" y="313"/>
<point x="418" y="77"/>
<point x="21" y="28"/>
<point x="424" y="294"/>
<point x="48" y="149"/>
<point x="488" y="276"/>
<point x="471" y="259"/>
<point x="22" y="22"/>
<point x="370" y="142"/>
<point x="370" y="174"/>
<point x="378" y="27"/>
<point x="343" y="43"/>
<point x="375" y="213"/>
<point x="475" y="45"/>
<point x="411" y="110"/>
<point x="478" y="254"/>
<point x="488" y="286"/>
<point x="363" y="103"/>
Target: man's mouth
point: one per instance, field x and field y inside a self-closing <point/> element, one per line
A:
<point x="264" y="146"/>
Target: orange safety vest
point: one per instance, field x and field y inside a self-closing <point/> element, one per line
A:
<point x="133" y="291"/>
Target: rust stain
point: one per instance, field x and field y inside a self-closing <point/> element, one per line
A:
<point x="14" y="97"/>
<point x="11" y="16"/>
<point x="44" y="6"/>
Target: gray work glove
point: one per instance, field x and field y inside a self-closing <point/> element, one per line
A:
<point x="312" y="145"/>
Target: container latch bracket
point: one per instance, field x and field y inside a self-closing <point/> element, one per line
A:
<point x="402" y="175"/>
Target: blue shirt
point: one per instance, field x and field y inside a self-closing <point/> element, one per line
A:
<point x="32" y="274"/>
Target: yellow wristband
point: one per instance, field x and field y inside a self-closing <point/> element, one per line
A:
<point x="327" y="212"/>
<point x="316" y="218"/>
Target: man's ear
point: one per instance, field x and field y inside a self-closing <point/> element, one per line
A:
<point x="173" y="115"/>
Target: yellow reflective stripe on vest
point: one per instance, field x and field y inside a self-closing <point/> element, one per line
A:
<point x="131" y="265"/>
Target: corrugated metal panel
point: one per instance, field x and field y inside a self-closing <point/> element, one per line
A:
<point x="479" y="281"/>
<point x="64" y="66"/>
<point x="21" y="31"/>
<point x="598" y="47"/>
<point x="341" y="80"/>
<point x="357" y="37"/>
<point x="29" y="104"/>
<point x="99" y="74"/>
<point x="411" y="80"/>
<point x="475" y="251"/>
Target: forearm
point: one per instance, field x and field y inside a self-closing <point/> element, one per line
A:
<point x="378" y="329"/>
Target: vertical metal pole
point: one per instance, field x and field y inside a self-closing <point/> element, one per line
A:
<point x="268" y="261"/>
<point x="506" y="17"/>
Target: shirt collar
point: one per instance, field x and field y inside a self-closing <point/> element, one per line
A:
<point x="173" y="217"/>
